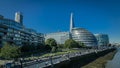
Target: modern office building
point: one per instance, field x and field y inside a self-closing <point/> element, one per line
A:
<point x="60" y="37"/>
<point x="102" y="39"/>
<point x="13" y="31"/>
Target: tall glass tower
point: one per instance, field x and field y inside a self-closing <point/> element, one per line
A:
<point x="71" y="22"/>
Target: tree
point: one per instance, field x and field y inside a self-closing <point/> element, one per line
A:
<point x="10" y="51"/>
<point x="60" y="46"/>
<point x="52" y="43"/>
<point x="70" y="43"/>
<point x="47" y="48"/>
<point x="43" y="48"/>
<point x="40" y="47"/>
<point x="54" y="49"/>
<point x="27" y="48"/>
<point x="81" y="44"/>
<point x="109" y="45"/>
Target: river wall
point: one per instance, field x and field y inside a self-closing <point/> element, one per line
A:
<point x="77" y="62"/>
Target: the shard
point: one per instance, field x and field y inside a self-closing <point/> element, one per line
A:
<point x="71" y="22"/>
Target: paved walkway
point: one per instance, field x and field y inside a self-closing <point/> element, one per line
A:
<point x="115" y="62"/>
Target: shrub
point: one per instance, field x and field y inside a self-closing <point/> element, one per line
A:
<point x="10" y="51"/>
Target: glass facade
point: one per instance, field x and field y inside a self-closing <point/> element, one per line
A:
<point x="102" y="39"/>
<point x="84" y="36"/>
<point x="14" y="32"/>
<point x="60" y="37"/>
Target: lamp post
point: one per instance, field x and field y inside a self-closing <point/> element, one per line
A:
<point x="68" y="55"/>
<point x="51" y="61"/>
<point x="21" y="61"/>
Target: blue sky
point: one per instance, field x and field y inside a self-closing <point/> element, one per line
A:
<point x="45" y="16"/>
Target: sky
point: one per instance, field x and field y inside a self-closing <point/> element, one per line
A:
<point x="47" y="16"/>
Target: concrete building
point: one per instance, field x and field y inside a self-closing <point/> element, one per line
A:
<point x="60" y="37"/>
<point x="15" y="33"/>
<point x="102" y="39"/>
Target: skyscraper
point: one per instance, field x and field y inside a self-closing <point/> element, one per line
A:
<point x="19" y="17"/>
<point x="71" y="22"/>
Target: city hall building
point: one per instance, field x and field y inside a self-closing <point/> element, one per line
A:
<point x="84" y="36"/>
<point x="14" y="32"/>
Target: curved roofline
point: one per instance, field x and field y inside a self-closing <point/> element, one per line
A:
<point x="78" y="28"/>
<point x="100" y="34"/>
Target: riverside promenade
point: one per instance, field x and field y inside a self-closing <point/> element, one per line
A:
<point x="115" y="62"/>
<point x="58" y="59"/>
<point x="48" y="62"/>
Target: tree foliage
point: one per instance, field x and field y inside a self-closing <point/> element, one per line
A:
<point x="10" y="51"/>
<point x="40" y="47"/>
<point x="70" y="43"/>
<point x="43" y="48"/>
<point x="54" y="49"/>
<point x="60" y="46"/>
<point x="51" y="42"/>
<point x="81" y="44"/>
<point x="27" y="48"/>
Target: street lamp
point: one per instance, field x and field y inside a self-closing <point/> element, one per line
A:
<point x="21" y="61"/>
<point x="68" y="55"/>
<point x="51" y="61"/>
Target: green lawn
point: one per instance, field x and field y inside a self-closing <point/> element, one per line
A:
<point x="52" y="54"/>
<point x="4" y="61"/>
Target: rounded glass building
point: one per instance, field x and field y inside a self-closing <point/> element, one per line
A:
<point x="84" y="36"/>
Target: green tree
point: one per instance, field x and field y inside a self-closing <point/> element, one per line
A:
<point x="27" y="48"/>
<point x="60" y="46"/>
<point x="52" y="43"/>
<point x="40" y="47"/>
<point x="81" y="44"/>
<point x="70" y="43"/>
<point x="54" y="49"/>
<point x="43" y="48"/>
<point x="10" y="51"/>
